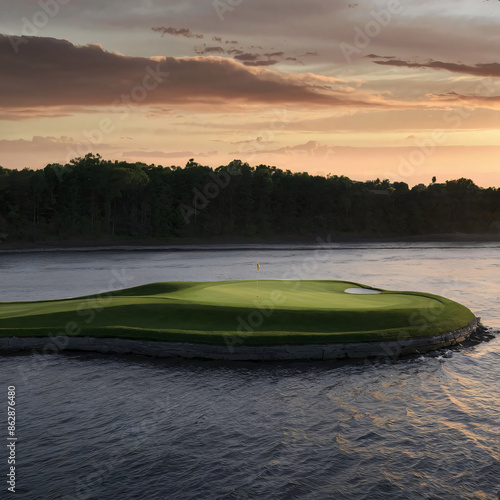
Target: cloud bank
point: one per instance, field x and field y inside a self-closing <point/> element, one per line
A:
<point x="51" y="72"/>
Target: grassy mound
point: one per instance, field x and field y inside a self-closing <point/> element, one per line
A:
<point x="267" y="312"/>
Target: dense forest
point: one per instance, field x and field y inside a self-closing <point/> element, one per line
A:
<point x="94" y="198"/>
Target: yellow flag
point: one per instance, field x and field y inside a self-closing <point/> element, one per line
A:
<point x="258" y="266"/>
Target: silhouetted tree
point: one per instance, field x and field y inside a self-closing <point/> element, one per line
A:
<point x="93" y="197"/>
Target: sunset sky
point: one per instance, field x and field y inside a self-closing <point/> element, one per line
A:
<point x="393" y="89"/>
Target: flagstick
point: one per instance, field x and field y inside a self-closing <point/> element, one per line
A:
<point x="258" y="267"/>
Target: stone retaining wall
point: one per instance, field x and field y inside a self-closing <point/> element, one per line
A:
<point x="240" y="353"/>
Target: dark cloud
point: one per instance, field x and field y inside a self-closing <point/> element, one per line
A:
<point x="376" y="56"/>
<point x="249" y="59"/>
<point x="269" y="62"/>
<point x="479" y="69"/>
<point x="177" y="32"/>
<point x="49" y="72"/>
<point x="275" y="54"/>
<point x="209" y="50"/>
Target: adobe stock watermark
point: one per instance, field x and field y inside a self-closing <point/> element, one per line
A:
<point x="264" y="308"/>
<point x="222" y="7"/>
<point x="363" y="36"/>
<point x="129" y="441"/>
<point x="426" y="147"/>
<point x="252" y="146"/>
<point x="152" y="78"/>
<point x="420" y="321"/>
<point x="222" y="178"/>
<point x="202" y="197"/>
<point x="49" y="9"/>
<point x="87" y="309"/>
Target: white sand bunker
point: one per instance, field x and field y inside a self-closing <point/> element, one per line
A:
<point x="362" y="291"/>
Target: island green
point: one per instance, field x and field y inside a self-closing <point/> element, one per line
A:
<point x="269" y="312"/>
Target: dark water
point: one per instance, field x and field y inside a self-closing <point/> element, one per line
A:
<point x="120" y="427"/>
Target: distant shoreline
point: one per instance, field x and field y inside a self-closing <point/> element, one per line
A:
<point x="159" y="244"/>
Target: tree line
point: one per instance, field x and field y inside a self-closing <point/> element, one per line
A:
<point x="94" y="198"/>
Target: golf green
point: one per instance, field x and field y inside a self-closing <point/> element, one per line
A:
<point x="253" y="313"/>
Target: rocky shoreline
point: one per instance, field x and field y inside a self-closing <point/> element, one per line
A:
<point x="393" y="349"/>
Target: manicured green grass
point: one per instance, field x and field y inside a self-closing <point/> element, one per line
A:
<point x="267" y="312"/>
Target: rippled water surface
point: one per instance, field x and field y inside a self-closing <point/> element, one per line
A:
<point x="118" y="427"/>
